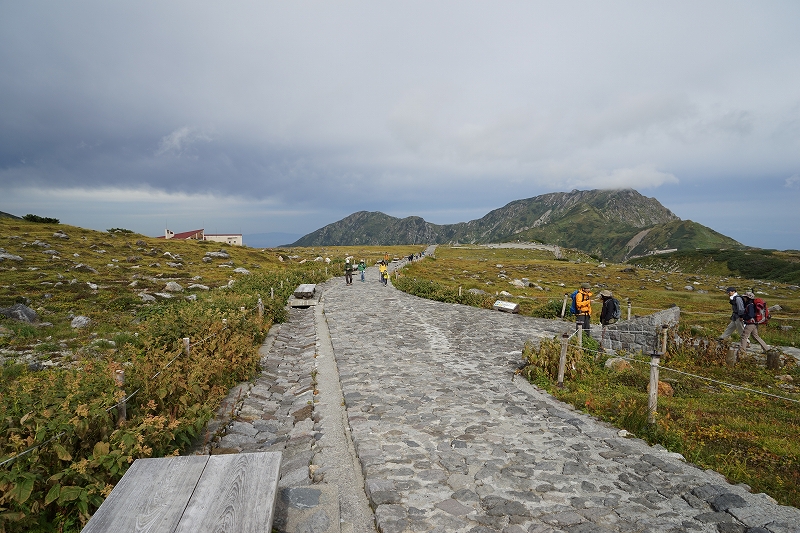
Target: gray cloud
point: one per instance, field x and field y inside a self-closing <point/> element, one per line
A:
<point x="446" y="108"/>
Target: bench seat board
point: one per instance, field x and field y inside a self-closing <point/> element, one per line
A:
<point x="236" y="493"/>
<point x="150" y="497"/>
<point x="220" y="493"/>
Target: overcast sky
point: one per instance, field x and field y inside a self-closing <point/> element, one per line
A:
<point x="253" y="117"/>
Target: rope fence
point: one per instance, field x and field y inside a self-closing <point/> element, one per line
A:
<point x="655" y="367"/>
<point x="119" y="378"/>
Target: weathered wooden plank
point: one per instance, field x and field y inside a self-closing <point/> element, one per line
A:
<point x="150" y="497"/>
<point x="236" y="493"/>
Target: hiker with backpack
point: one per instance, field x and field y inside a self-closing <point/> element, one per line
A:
<point x="737" y="312"/>
<point x="611" y="310"/>
<point x="755" y="312"/>
<point x="582" y="307"/>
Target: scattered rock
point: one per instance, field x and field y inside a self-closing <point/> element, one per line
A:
<point x="198" y="286"/>
<point x="80" y="267"/>
<point x="786" y="378"/>
<point x="60" y="235"/>
<point x="80" y="322"/>
<point x="664" y="389"/>
<point x="617" y="364"/>
<point x="141" y="243"/>
<point x="241" y="270"/>
<point x="191" y="297"/>
<point x="147" y="297"/>
<point x="688" y="288"/>
<point x="173" y="286"/>
<point x="92" y="286"/>
<point x="476" y="291"/>
<point x="20" y="312"/>
<point x="11" y="257"/>
<point x="219" y="255"/>
<point x="50" y="252"/>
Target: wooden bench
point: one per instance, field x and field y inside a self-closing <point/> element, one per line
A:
<point x="223" y="493"/>
<point x="304" y="295"/>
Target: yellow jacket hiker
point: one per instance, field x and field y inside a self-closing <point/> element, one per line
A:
<point x="583" y="303"/>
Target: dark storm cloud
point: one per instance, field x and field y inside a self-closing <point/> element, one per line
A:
<point x="446" y="109"/>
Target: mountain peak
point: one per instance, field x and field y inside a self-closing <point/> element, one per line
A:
<point x="606" y="222"/>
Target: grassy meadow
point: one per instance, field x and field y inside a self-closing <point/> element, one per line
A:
<point x="57" y="387"/>
<point x="748" y="437"/>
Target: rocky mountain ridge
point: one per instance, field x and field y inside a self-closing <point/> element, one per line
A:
<point x="613" y="224"/>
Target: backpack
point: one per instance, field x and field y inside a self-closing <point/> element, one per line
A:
<point x="574" y="307"/>
<point x="616" y="311"/>
<point x="762" y="312"/>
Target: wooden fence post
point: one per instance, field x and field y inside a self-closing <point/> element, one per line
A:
<point x="260" y="308"/>
<point x="459" y="291"/>
<point x="652" y="402"/>
<point x="579" y="329"/>
<point x="122" y="410"/>
<point x="562" y="361"/>
<point x="186" y="345"/>
<point x="664" y="330"/>
<point x="629" y="308"/>
<point x="564" y="305"/>
<point x="732" y="357"/>
<point x="272" y="293"/>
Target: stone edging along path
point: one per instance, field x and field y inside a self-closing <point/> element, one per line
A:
<point x="409" y="408"/>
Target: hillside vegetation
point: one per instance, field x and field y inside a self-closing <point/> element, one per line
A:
<point x="754" y="264"/>
<point x="118" y="301"/>
<point x="613" y="225"/>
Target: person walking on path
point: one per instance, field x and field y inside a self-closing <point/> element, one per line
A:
<point x="348" y="272"/>
<point x="750" y="325"/>
<point x="583" y="303"/>
<point x="384" y="271"/>
<point x="607" y="313"/>
<point x="737" y="312"/>
<point x="362" y="266"/>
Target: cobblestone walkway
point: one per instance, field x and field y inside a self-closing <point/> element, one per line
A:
<point x="449" y="443"/>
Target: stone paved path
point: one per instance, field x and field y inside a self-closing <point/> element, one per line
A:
<point x="404" y="406"/>
<point x="447" y="442"/>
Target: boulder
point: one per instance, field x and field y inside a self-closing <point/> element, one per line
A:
<point x="617" y="364"/>
<point x="664" y="389"/>
<point x="219" y="255"/>
<point x="173" y="287"/>
<point x="20" y="312"/>
<point x="476" y="291"/>
<point x="60" y="235"/>
<point x="92" y="286"/>
<point x="7" y="256"/>
<point x="80" y="267"/>
<point x="241" y="270"/>
<point x="147" y="297"/>
<point x="198" y="286"/>
<point x="80" y="322"/>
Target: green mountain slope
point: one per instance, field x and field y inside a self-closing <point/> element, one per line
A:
<point x="613" y="224"/>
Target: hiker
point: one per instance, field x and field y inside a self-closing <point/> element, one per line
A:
<point x="384" y="272"/>
<point x="750" y="324"/>
<point x="362" y="266"/>
<point x="348" y="272"/>
<point x="607" y="313"/>
<point x="737" y="312"/>
<point x="583" y="304"/>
